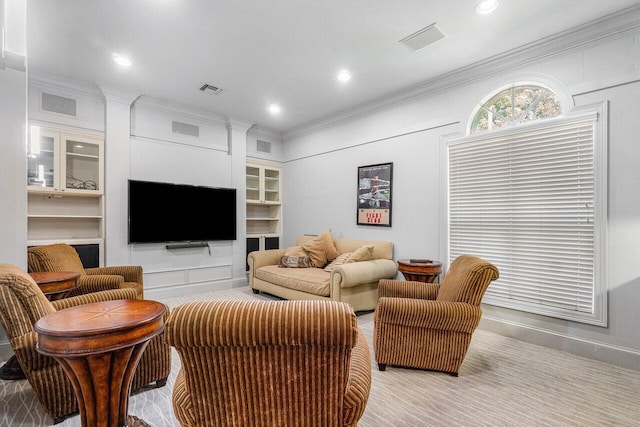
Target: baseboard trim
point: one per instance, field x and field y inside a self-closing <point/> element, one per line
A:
<point x="603" y="352"/>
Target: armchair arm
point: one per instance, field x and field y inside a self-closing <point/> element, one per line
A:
<point x="127" y="293"/>
<point x="24" y="347"/>
<point x="131" y="273"/>
<point x="359" y="385"/>
<point x="257" y="259"/>
<point x="407" y="289"/>
<point x="97" y="283"/>
<point x="358" y="273"/>
<point x="440" y="315"/>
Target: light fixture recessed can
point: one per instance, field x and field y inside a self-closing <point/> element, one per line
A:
<point x="343" y="75"/>
<point x="274" y="109"/>
<point x="121" y="60"/>
<point x="486" y="6"/>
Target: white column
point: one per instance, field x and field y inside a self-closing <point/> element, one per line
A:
<point x="117" y="172"/>
<point x="13" y="125"/>
<point x="238" y="150"/>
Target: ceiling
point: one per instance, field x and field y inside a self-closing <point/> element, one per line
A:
<point x="281" y="51"/>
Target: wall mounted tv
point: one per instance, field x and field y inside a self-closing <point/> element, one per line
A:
<point x="161" y="212"/>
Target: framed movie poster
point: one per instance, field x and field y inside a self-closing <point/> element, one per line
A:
<point x="374" y="194"/>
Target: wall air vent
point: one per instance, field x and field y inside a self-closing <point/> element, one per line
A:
<point x="207" y="88"/>
<point x="185" y="129"/>
<point x="264" y="146"/>
<point x="58" y="104"/>
<point x="423" y="38"/>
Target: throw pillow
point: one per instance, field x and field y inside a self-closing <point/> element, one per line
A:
<point x="340" y="259"/>
<point x="295" y="251"/>
<point x="321" y="249"/>
<point x="293" y="261"/>
<point x="363" y="253"/>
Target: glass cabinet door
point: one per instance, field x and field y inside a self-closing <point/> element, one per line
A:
<point x="81" y="164"/>
<point x="42" y="153"/>
<point x="64" y="162"/>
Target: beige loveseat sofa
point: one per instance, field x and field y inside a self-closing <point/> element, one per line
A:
<point x="355" y="283"/>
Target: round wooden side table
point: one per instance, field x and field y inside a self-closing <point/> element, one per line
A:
<point x="420" y="270"/>
<point x="99" y="346"/>
<point x="54" y="285"/>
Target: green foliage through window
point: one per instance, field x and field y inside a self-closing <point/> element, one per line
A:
<point x="515" y="106"/>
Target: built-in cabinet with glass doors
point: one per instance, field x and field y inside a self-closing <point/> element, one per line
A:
<point x="264" y="206"/>
<point x="65" y="186"/>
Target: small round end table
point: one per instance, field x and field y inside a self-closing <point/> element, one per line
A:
<point x="420" y="270"/>
<point x="99" y="346"/>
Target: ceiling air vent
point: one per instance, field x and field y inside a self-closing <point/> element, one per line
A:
<point x="423" y="38"/>
<point x="264" y="146"/>
<point x="185" y="128"/>
<point x="58" y="104"/>
<point x="207" y="88"/>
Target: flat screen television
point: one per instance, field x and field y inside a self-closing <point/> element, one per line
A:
<point x="162" y="212"/>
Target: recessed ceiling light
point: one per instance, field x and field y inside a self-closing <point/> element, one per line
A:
<point x="274" y="109"/>
<point x="121" y="60"/>
<point x="344" y="75"/>
<point x="486" y="6"/>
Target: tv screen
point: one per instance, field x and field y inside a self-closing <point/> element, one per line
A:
<point x="164" y="212"/>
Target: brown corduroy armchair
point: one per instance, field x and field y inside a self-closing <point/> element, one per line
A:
<point x="22" y="303"/>
<point x="64" y="257"/>
<point x="429" y="326"/>
<point x="269" y="363"/>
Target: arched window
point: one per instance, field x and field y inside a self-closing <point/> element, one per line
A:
<point x="516" y="105"/>
<point x="527" y="191"/>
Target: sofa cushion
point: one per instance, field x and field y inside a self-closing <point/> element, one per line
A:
<point x="321" y="249"/>
<point x="310" y="280"/>
<point x="363" y="253"/>
<point x="381" y="249"/>
<point x="340" y="259"/>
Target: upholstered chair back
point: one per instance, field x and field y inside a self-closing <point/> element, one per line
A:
<point x="268" y="363"/>
<point x="55" y="257"/>
<point x="22" y="302"/>
<point x="467" y="280"/>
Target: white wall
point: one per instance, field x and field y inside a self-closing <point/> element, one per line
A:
<point x="210" y="159"/>
<point x="321" y="166"/>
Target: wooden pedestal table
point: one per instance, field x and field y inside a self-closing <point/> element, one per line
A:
<point x="420" y="270"/>
<point x="54" y="285"/>
<point x="99" y="346"/>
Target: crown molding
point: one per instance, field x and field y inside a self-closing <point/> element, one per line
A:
<point x="608" y="27"/>
<point x="65" y="86"/>
<point x="239" y="124"/>
<point x="265" y="133"/>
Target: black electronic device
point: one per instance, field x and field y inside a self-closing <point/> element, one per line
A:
<point x="161" y="212"/>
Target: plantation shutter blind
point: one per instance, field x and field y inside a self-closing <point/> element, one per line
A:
<point x="524" y="200"/>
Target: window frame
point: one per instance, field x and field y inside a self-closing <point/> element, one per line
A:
<point x="599" y="111"/>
